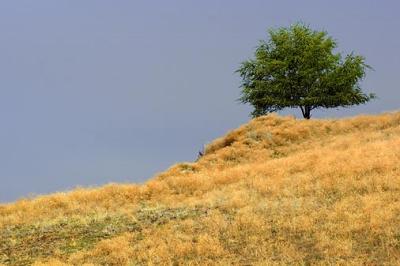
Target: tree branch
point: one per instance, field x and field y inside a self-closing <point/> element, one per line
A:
<point x="302" y="110"/>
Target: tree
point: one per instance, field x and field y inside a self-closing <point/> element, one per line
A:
<point x="297" y="67"/>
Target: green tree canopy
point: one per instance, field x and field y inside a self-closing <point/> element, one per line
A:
<point x="297" y="67"/>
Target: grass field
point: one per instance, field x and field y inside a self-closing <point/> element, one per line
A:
<point x="276" y="191"/>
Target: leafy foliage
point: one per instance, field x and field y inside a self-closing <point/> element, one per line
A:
<point x="296" y="67"/>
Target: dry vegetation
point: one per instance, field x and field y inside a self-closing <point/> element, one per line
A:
<point x="275" y="191"/>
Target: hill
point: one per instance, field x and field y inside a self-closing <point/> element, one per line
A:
<point x="275" y="191"/>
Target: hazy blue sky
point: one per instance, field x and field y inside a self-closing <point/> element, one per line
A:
<point x="96" y="91"/>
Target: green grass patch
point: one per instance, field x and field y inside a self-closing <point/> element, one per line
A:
<point x="23" y="244"/>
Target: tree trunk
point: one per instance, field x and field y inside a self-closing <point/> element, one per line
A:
<point x="306" y="111"/>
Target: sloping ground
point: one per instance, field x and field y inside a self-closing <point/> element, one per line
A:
<point x="275" y="191"/>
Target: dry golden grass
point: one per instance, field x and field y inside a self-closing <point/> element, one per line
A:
<point x="275" y="191"/>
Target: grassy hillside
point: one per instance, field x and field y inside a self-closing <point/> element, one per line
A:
<point x="275" y="191"/>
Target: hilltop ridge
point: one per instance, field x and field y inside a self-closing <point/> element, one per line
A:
<point x="274" y="191"/>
